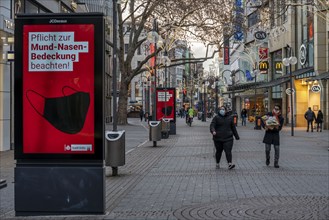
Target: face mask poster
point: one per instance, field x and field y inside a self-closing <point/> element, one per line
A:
<point x="58" y="89"/>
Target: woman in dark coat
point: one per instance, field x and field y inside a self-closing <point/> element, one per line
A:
<point x="272" y="136"/>
<point x="319" y="120"/>
<point x="222" y="128"/>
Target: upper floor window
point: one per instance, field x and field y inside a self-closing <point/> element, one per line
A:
<point x="126" y="48"/>
<point x="253" y="18"/>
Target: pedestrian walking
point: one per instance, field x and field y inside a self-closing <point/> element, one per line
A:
<point x="272" y="123"/>
<point x="319" y="121"/>
<point x="244" y="117"/>
<point x="141" y="114"/>
<point x="310" y="117"/>
<point x="146" y="116"/>
<point x="223" y="129"/>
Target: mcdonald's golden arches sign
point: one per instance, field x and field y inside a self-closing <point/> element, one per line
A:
<point x="263" y="65"/>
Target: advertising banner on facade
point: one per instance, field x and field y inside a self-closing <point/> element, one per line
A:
<point x="58" y="86"/>
<point x="165" y="104"/>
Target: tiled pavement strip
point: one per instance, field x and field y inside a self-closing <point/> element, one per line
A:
<point x="178" y="180"/>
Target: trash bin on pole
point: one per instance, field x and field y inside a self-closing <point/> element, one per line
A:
<point x="172" y="127"/>
<point x="155" y="132"/>
<point x="165" y="128"/>
<point x="115" y="153"/>
<point x="235" y="119"/>
<point x="258" y="123"/>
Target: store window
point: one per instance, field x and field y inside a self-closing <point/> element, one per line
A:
<point x="253" y="18"/>
<point x="31" y="8"/>
<point x="277" y="92"/>
<point x="277" y="65"/>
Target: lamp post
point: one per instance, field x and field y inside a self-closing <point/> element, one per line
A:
<point x="216" y="90"/>
<point x="255" y="96"/>
<point x="204" y="101"/>
<point x="114" y="73"/>
<point x="233" y="85"/>
<point x="232" y="75"/>
<point x="292" y="60"/>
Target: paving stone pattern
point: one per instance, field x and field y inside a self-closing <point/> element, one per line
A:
<point x="178" y="180"/>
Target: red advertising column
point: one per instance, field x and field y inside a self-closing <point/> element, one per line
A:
<point x="59" y="137"/>
<point x="166" y="107"/>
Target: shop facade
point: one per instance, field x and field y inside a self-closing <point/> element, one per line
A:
<point x="6" y="73"/>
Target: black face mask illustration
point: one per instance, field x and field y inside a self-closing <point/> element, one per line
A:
<point x="67" y="113"/>
<point x="166" y="110"/>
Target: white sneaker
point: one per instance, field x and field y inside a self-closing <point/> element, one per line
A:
<point x="231" y="166"/>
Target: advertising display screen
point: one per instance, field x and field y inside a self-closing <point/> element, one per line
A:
<point x="57" y="90"/>
<point x="165" y="104"/>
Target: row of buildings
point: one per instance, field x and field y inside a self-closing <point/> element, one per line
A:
<point x="254" y="58"/>
<point x="250" y="73"/>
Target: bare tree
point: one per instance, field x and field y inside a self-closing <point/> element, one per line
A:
<point x="202" y="20"/>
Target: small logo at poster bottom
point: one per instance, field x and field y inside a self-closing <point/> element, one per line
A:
<point x="78" y="147"/>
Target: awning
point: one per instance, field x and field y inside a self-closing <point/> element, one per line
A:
<point x="321" y="76"/>
<point x="273" y="83"/>
<point x="301" y="73"/>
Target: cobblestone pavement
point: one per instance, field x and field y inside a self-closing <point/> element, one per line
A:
<point x="178" y="180"/>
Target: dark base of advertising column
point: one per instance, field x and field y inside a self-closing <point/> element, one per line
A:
<point x="59" y="190"/>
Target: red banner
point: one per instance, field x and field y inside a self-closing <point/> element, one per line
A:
<point x="263" y="53"/>
<point x="165" y="104"/>
<point x="58" y="89"/>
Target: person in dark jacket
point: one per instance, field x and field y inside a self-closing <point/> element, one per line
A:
<point x="272" y="136"/>
<point x="319" y="121"/>
<point x="141" y="114"/>
<point x="223" y="129"/>
<point x="310" y="117"/>
<point x="244" y="116"/>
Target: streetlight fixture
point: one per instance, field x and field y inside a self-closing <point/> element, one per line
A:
<point x="153" y="37"/>
<point x="205" y="84"/>
<point x="292" y="60"/>
<point x="233" y="73"/>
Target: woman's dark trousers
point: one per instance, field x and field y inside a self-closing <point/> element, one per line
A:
<point x="227" y="147"/>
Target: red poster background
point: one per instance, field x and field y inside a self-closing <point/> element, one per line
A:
<point x="160" y="105"/>
<point x="39" y="136"/>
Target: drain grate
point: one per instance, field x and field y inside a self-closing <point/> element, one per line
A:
<point x="292" y="207"/>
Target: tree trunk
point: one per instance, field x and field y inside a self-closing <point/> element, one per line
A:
<point x="122" y="105"/>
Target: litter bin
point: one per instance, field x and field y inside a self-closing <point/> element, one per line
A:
<point x="258" y="123"/>
<point x="235" y="119"/>
<point x="165" y="128"/>
<point x="155" y="131"/>
<point x="172" y="127"/>
<point x="115" y="153"/>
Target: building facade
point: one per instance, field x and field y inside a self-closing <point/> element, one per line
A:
<point x="292" y="30"/>
<point x="8" y="11"/>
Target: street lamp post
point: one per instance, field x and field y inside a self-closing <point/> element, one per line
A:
<point x="232" y="74"/>
<point x="292" y="60"/>
<point x="255" y="102"/>
<point x="155" y="29"/>
<point x="216" y="108"/>
<point x="204" y="101"/>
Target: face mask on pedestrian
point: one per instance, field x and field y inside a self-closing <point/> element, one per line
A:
<point x="222" y="112"/>
<point x="276" y="111"/>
